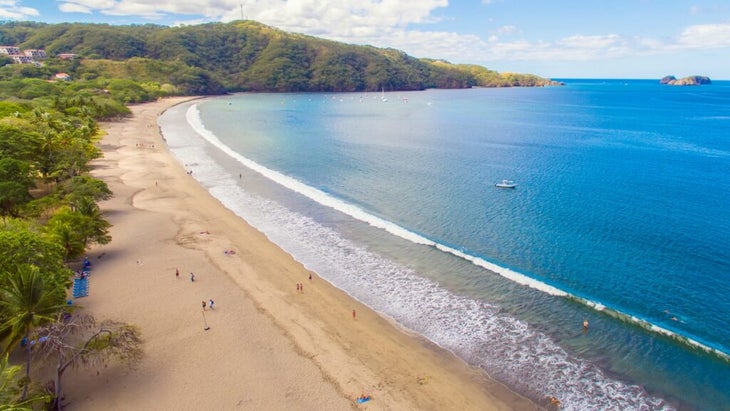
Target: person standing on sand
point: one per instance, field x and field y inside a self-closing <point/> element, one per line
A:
<point x="177" y="273"/>
<point x="192" y="277"/>
<point x="354" y="314"/>
<point x="203" y="303"/>
<point x="210" y="303"/>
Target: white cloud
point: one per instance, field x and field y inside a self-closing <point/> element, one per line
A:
<point x="74" y="8"/>
<point x="505" y="30"/>
<point x="403" y="24"/>
<point x="12" y="10"/>
<point x="705" y="36"/>
<point x="589" y="42"/>
<point x="86" y="4"/>
<point x="592" y="47"/>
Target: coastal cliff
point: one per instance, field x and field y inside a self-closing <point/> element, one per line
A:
<point x="686" y="81"/>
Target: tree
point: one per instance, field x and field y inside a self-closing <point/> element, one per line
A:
<point x="8" y="108"/>
<point x="15" y="180"/>
<point x="26" y="303"/>
<point x="75" y="230"/>
<point x="86" y="186"/>
<point x="62" y="228"/>
<point x="10" y="389"/>
<point x="5" y="60"/>
<point x="18" y="140"/>
<point x="17" y="171"/>
<point x="21" y="244"/>
<point x="77" y="340"/>
<point x="95" y="227"/>
<point x="128" y="91"/>
<point x="12" y="195"/>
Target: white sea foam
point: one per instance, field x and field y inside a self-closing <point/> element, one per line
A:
<point x="192" y="116"/>
<point x="507" y="348"/>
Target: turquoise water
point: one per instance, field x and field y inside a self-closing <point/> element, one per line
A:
<point x="620" y="218"/>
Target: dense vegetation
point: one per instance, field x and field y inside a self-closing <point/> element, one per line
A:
<point x="49" y="216"/>
<point x="238" y="56"/>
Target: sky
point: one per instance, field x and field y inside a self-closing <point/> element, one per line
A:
<point x="550" y="38"/>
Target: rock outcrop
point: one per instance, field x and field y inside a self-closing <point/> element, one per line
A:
<point x="686" y="81"/>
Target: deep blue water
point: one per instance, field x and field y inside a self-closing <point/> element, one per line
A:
<point x="620" y="217"/>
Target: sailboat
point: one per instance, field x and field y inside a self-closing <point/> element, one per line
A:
<point x="383" y="96"/>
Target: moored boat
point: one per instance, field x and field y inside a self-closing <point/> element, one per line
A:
<point x="506" y="184"/>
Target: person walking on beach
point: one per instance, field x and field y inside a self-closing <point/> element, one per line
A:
<point x="192" y="277"/>
<point x="177" y="273"/>
<point x="354" y="314"/>
<point x="210" y="303"/>
<point x="203" y="303"/>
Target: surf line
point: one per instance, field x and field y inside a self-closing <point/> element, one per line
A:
<point x="192" y="116"/>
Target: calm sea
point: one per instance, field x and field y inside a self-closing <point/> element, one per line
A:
<point x="621" y="218"/>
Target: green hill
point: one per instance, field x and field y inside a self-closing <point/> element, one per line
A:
<point x="239" y="56"/>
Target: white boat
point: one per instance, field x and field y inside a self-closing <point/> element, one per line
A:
<point x="383" y="97"/>
<point x="506" y="184"/>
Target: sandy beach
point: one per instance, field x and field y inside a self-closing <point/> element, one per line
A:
<point x="268" y="346"/>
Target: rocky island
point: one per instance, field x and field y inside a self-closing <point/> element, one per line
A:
<point x="686" y="81"/>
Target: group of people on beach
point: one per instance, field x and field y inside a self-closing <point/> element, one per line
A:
<point x="210" y="304"/>
<point x="85" y="269"/>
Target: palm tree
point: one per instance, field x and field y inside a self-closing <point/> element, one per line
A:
<point x="9" y="390"/>
<point x="69" y="229"/>
<point x="25" y="303"/>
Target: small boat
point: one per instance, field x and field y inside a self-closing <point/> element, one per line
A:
<point x="506" y="184"/>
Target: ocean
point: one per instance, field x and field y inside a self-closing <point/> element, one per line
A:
<point x="620" y="217"/>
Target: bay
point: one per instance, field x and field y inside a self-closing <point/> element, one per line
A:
<point x="619" y="218"/>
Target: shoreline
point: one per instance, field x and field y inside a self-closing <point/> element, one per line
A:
<point x="268" y="346"/>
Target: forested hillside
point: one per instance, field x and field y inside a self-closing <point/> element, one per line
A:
<point x="238" y="56"/>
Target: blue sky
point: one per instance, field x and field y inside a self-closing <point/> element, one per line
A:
<point x="550" y="38"/>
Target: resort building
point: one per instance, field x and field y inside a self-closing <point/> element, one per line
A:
<point x="35" y="54"/>
<point x="10" y="50"/>
<point x="22" y="59"/>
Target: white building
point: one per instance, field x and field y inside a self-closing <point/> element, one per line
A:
<point x="22" y="59"/>
<point x="10" y="50"/>
<point x="35" y="54"/>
